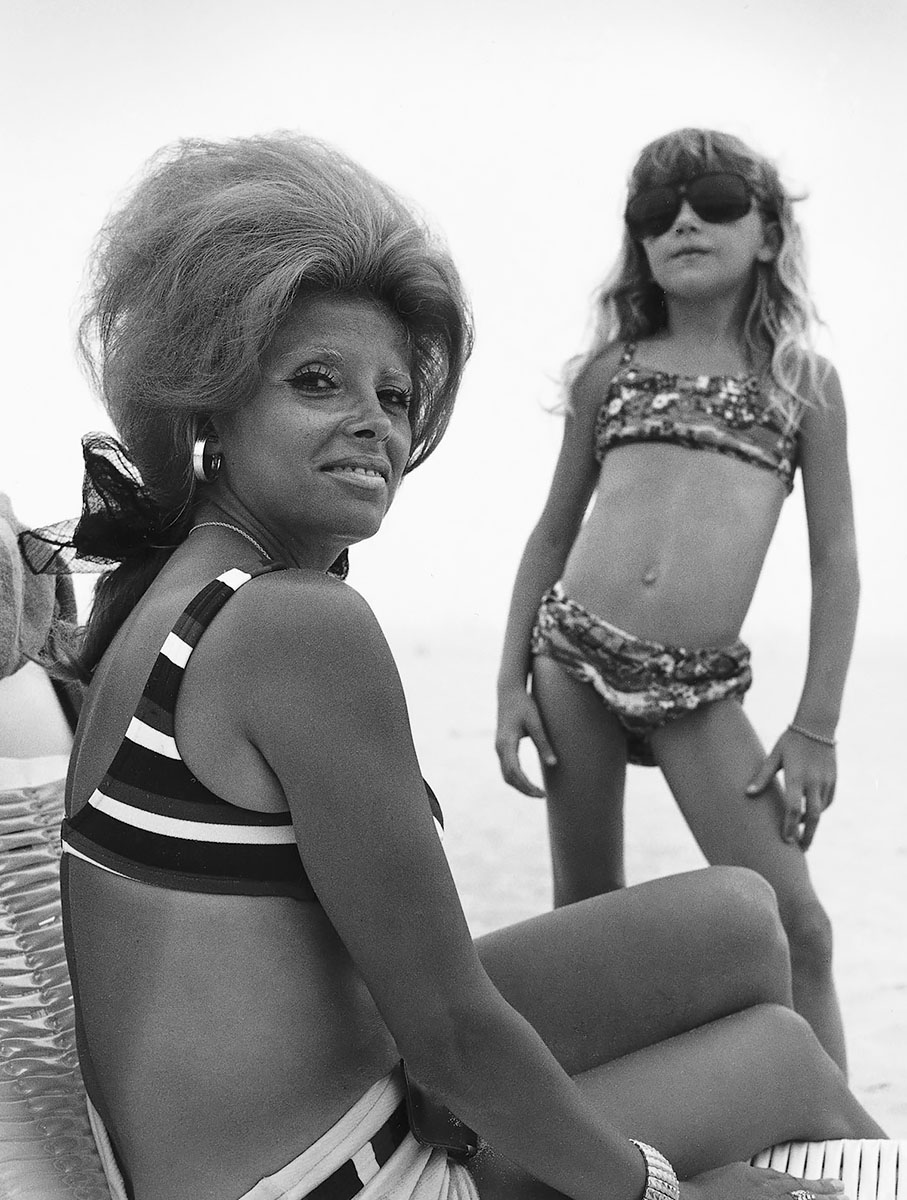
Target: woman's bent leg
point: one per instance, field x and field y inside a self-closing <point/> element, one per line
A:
<point x="725" y="1091"/>
<point x="714" y="1095"/>
<point x="586" y="788"/>
<point x="708" y="759"/>
<point x="611" y="975"/>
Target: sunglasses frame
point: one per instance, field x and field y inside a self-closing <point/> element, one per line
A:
<point x="641" y="228"/>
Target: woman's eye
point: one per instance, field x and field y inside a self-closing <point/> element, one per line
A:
<point x="312" y="379"/>
<point x="395" y="397"/>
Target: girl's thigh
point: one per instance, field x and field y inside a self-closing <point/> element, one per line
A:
<point x="708" y="758"/>
<point x="587" y="738"/>
<point x="585" y="790"/>
<point x="610" y="975"/>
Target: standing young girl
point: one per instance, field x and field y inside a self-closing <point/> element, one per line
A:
<point x="689" y="416"/>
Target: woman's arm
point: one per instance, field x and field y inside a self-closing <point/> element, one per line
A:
<point x="549" y="544"/>
<point x="327" y="714"/>
<point x="323" y="706"/>
<point x="809" y="763"/>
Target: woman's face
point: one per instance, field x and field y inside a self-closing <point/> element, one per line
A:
<point x="317" y="454"/>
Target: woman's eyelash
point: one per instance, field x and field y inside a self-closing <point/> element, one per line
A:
<point x="320" y="379"/>
<point x="397" y="395"/>
<point x="310" y="377"/>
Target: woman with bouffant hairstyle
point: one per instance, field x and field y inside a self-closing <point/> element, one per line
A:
<point x="191" y="278"/>
<point x="276" y="992"/>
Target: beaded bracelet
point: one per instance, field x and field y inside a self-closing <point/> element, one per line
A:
<point x="661" y="1179"/>
<point x="813" y="737"/>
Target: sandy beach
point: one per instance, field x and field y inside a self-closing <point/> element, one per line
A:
<point x="496" y="839"/>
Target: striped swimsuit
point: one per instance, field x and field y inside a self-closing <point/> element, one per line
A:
<point x="150" y="819"/>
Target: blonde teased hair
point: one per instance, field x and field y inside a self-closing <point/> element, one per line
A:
<point x="778" y="326"/>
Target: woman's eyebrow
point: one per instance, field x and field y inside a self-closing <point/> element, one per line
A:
<point x="279" y="359"/>
<point x="315" y="351"/>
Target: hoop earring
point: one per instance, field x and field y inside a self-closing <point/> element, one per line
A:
<point x="207" y="457"/>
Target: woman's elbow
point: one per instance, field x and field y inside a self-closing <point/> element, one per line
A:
<point x="446" y="1048"/>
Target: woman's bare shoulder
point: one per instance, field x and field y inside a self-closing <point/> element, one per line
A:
<point x="298" y="602"/>
<point x="292" y="618"/>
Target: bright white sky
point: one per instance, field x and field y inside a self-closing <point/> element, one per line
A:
<point x="513" y="124"/>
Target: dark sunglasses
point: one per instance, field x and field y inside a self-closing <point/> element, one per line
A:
<point x="718" y="197"/>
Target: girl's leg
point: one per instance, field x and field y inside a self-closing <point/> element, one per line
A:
<point x="611" y="975"/>
<point x="585" y="789"/>
<point x="715" y="1095"/>
<point x="708" y="758"/>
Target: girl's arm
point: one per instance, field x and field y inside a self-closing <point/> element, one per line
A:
<point x="549" y="544"/>
<point x="809" y="762"/>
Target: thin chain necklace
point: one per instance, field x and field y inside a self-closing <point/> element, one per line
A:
<point x="236" y="529"/>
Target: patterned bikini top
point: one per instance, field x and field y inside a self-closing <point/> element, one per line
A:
<point x="729" y="414"/>
<point x="150" y="819"/>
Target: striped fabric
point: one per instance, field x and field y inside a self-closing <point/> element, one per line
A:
<point x="352" y="1176"/>
<point x="342" y="1161"/>
<point x="869" y="1168"/>
<point x="151" y="819"/>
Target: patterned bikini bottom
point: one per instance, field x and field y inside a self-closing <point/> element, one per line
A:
<point x="645" y="684"/>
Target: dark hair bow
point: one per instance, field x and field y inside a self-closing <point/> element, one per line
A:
<point x="119" y="519"/>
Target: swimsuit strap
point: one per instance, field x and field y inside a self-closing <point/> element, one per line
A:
<point x="629" y="353"/>
<point x="163" y="683"/>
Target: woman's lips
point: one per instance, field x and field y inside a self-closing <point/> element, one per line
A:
<point x="359" y="475"/>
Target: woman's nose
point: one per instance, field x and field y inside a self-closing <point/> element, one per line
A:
<point x="370" y="419"/>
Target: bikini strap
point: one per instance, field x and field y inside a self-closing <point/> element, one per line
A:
<point x="629" y="353"/>
<point x="159" y="695"/>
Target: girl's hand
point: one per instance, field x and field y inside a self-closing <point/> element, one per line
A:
<point x="742" y="1182"/>
<point x="810" y="773"/>
<point x="518" y="717"/>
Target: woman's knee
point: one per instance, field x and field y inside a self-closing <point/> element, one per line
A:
<point x="810" y="1090"/>
<point x="796" y="1045"/>
<point x="751" y="926"/>
<point x="791" y="1040"/>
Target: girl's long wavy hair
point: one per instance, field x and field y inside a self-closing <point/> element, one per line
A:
<point x="191" y="278"/>
<point x="778" y="327"/>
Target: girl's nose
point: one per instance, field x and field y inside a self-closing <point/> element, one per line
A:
<point x="686" y="217"/>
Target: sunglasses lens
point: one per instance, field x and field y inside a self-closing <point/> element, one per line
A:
<point x="719" y="198"/>
<point x="651" y="213"/>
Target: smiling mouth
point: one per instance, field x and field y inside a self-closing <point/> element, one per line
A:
<point x="368" y="476"/>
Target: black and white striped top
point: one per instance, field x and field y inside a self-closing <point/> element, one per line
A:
<point x="150" y="819"/>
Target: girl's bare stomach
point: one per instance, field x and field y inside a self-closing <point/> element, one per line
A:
<point x="675" y="542"/>
<point x="226" y="1033"/>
